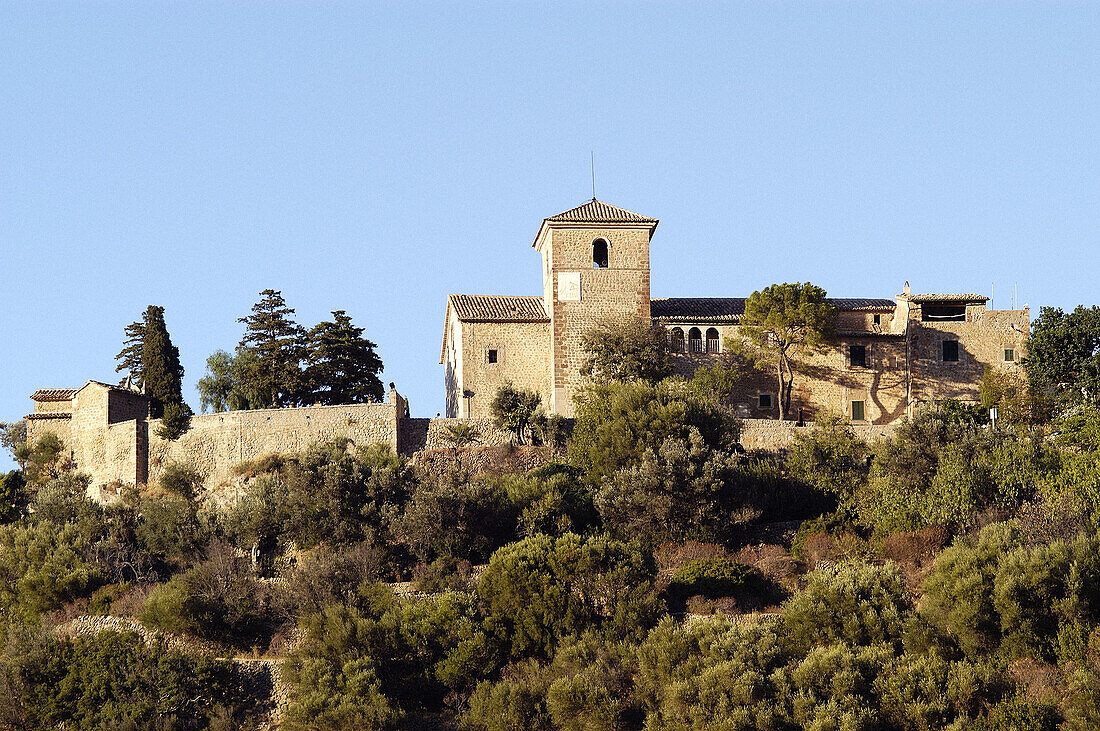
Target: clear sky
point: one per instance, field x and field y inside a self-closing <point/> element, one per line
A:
<point x="375" y="157"/>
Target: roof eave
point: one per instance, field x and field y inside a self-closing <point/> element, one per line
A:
<point x="547" y="224"/>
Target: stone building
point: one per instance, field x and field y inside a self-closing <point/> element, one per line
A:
<point x="892" y="353"/>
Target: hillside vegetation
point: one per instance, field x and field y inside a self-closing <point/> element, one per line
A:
<point x="649" y="575"/>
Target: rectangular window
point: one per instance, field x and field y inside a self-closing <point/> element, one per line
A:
<point x="857" y="356"/>
<point x="950" y="351"/>
<point x="1010" y="355"/>
<point x="492" y="356"/>
<point x="943" y="313"/>
<point x="877" y="319"/>
<point x="857" y="411"/>
<point x="765" y="400"/>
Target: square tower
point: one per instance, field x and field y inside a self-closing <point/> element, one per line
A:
<point x="595" y="266"/>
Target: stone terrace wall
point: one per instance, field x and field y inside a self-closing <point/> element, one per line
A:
<point x="770" y="435"/>
<point x="216" y="443"/>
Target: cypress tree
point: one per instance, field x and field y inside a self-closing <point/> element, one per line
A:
<point x="273" y="352"/>
<point x="161" y="371"/>
<point x="342" y="367"/>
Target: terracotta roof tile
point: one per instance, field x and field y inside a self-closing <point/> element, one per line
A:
<point x="498" y="308"/>
<point x="697" y="309"/>
<point x="53" y="394"/>
<point x="852" y="304"/>
<point x="595" y="211"/>
<point x="49" y="415"/>
<point x="730" y="309"/>
<point x="969" y="297"/>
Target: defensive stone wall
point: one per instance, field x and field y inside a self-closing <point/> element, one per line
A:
<point x="216" y="443"/>
<point x="420" y="434"/>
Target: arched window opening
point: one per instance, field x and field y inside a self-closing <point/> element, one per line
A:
<point x="677" y="340"/>
<point x="712" y="340"/>
<point x="599" y="254"/>
<point x="695" y="340"/>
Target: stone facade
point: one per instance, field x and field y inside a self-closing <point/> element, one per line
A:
<point x="892" y="354"/>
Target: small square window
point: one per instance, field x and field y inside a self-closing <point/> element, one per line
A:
<point x="857" y="356"/>
<point x="492" y="355"/>
<point x="877" y="319"/>
<point x="858" y="411"/>
<point x="1010" y="355"/>
<point x="765" y="400"/>
<point x="950" y="351"/>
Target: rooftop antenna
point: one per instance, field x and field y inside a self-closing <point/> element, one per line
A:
<point x="593" y="153"/>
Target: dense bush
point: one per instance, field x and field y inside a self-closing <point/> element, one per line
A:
<point x="712" y="578"/>
<point x="994" y="593"/>
<point x="42" y="566"/>
<point x="117" y="681"/>
<point x="367" y="661"/>
<point x="942" y="467"/>
<point x="457" y="517"/>
<point x="330" y="492"/>
<point x="853" y="604"/>
<point x="217" y="599"/>
<point x="551" y="500"/>
<point x="539" y="590"/>
<point x="617" y="422"/>
<point x="586" y="686"/>
<point x="830" y="458"/>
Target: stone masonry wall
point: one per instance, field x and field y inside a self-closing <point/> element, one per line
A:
<point x="770" y="435"/>
<point x="620" y="290"/>
<point x="426" y="434"/>
<point x="825" y="382"/>
<point x="216" y="443"/>
<point x="523" y="357"/>
<point x="982" y="338"/>
<point x="62" y="427"/>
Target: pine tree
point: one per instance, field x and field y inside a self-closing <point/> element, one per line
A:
<point x="272" y="344"/>
<point x="130" y="359"/>
<point x="342" y="367"/>
<point x="161" y="371"/>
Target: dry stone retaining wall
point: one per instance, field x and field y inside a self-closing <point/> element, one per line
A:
<point x="772" y="436"/>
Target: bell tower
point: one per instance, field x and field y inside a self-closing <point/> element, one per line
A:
<point x="595" y="266"/>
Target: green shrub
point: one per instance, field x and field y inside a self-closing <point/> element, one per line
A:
<point x="217" y="599"/>
<point x="117" y="681"/>
<point x="103" y="597"/>
<point x="180" y="479"/>
<point x="831" y="458"/>
<point x="712" y="578"/>
<point x="854" y="604"/>
<point x="616" y="423"/>
<point x="538" y="590"/>
<point x="12" y="495"/>
<point x="42" y="567"/>
<point x="457" y="517"/>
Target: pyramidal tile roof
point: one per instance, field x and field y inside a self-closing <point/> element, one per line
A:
<point x="596" y="211"/>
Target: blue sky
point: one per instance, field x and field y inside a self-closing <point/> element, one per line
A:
<point x="375" y="157"/>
